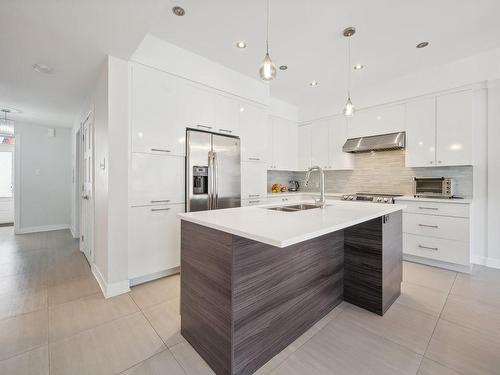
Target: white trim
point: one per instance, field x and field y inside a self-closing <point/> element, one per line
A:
<point x="43" y="228"/>
<point x="71" y="229"/>
<point x="493" y="83"/>
<point x="17" y="182"/>
<point x="109" y="290"/>
<point x="154" y="276"/>
<point x="437" y="263"/>
<point x="485" y="261"/>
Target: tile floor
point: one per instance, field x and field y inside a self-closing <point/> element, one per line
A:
<point x="54" y="320"/>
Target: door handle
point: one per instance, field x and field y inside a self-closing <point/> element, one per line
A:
<point x="429" y="208"/>
<point x="226" y="131"/>
<point x="255" y="159"/>
<point x="204" y="126"/>
<point x="86" y="197"/>
<point x="161" y="201"/>
<point x="160" y="150"/>
<point x="253" y="195"/>
<point x="210" y="180"/>
<point x="160" y="209"/>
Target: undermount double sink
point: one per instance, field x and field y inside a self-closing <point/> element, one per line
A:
<point x="294" y="207"/>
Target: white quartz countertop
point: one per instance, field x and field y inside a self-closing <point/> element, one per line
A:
<point x="281" y="229"/>
<point x="437" y="200"/>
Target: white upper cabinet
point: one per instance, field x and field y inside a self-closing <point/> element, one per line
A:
<point x="338" y="159"/>
<point x="439" y="131"/>
<point x="454" y="129"/>
<point x="284" y="143"/>
<point x="199" y="107"/>
<point x="253" y="132"/>
<point x="320" y="143"/>
<point x="227" y="111"/>
<point x="378" y="120"/>
<point x="304" y="152"/>
<point x="253" y="180"/>
<point x="156" y="114"/>
<point x="421" y="133"/>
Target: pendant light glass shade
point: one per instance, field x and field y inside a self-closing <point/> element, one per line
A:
<point x="6" y="125"/>
<point x="267" y="70"/>
<point x="349" y="108"/>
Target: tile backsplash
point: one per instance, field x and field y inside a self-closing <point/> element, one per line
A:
<point x="380" y="172"/>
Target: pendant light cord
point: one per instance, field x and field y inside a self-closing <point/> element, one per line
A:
<point x="349" y="67"/>
<point x="267" y="29"/>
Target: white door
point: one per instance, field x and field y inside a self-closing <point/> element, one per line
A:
<point x="227" y="113"/>
<point x="253" y="130"/>
<point x="304" y="146"/>
<point x="421" y="133"/>
<point x="6" y="178"/>
<point x="87" y="185"/>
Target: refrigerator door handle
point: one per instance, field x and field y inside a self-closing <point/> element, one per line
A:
<point x="216" y="182"/>
<point x="210" y="180"/>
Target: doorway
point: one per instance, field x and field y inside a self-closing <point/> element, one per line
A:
<point x="7" y="180"/>
<point x="86" y="186"/>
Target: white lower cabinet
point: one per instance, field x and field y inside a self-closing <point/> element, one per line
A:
<point x="437" y="233"/>
<point x="154" y="240"/>
<point x="253" y="180"/>
<point x="156" y="179"/>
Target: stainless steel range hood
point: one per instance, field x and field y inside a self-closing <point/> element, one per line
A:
<point x="393" y="141"/>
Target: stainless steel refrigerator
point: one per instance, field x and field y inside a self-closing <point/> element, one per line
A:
<point x="213" y="171"/>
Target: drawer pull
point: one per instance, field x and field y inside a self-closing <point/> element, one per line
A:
<point x="253" y="195"/>
<point x="160" y="209"/>
<point x="204" y="126"/>
<point x="161" y="201"/>
<point x="428" y="226"/>
<point x="253" y="201"/>
<point x="428" y="248"/>
<point x="284" y="199"/>
<point x="256" y="159"/>
<point x="429" y="208"/>
<point x="160" y="150"/>
<point x="226" y="130"/>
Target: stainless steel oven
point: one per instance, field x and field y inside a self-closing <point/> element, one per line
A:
<point x="437" y="187"/>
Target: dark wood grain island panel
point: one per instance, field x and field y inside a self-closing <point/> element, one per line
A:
<point x="279" y="293"/>
<point x="373" y="263"/>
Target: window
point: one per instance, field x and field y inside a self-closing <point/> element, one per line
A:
<point x="5" y="174"/>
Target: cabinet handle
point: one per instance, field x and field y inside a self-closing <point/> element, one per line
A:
<point x="284" y="199"/>
<point x="160" y="209"/>
<point x="428" y="226"/>
<point x="160" y="150"/>
<point x="225" y="130"/>
<point x="429" y="208"/>
<point x="204" y="126"/>
<point x="439" y="161"/>
<point x="161" y="201"/>
<point x="431" y="162"/>
<point x="253" y="201"/>
<point x="254" y="159"/>
<point x="428" y="248"/>
<point x="253" y="195"/>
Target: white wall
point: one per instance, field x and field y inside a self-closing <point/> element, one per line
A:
<point x="493" y="256"/>
<point x="282" y="109"/>
<point x="43" y="175"/>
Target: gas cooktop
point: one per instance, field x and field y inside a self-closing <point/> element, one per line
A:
<point x="371" y="197"/>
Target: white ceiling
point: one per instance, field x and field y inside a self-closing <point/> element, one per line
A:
<point x="74" y="36"/>
<point x="307" y="36"/>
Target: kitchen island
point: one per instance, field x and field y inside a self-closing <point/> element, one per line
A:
<point x="254" y="279"/>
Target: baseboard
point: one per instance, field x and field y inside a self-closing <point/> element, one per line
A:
<point x="110" y="290"/>
<point x="72" y="230"/>
<point x="437" y="263"/>
<point x="43" y="228"/>
<point x="485" y="261"/>
<point x="154" y="276"/>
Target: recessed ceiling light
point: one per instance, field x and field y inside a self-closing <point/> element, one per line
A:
<point x="178" y="11"/>
<point x="358" y="66"/>
<point x="241" y="44"/>
<point x="283" y="67"/>
<point x="313" y="83"/>
<point x="42" y="68"/>
<point x="422" y="45"/>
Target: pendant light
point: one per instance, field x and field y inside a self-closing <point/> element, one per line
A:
<point x="267" y="70"/>
<point x="349" y="107"/>
<point x="6" y="125"/>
